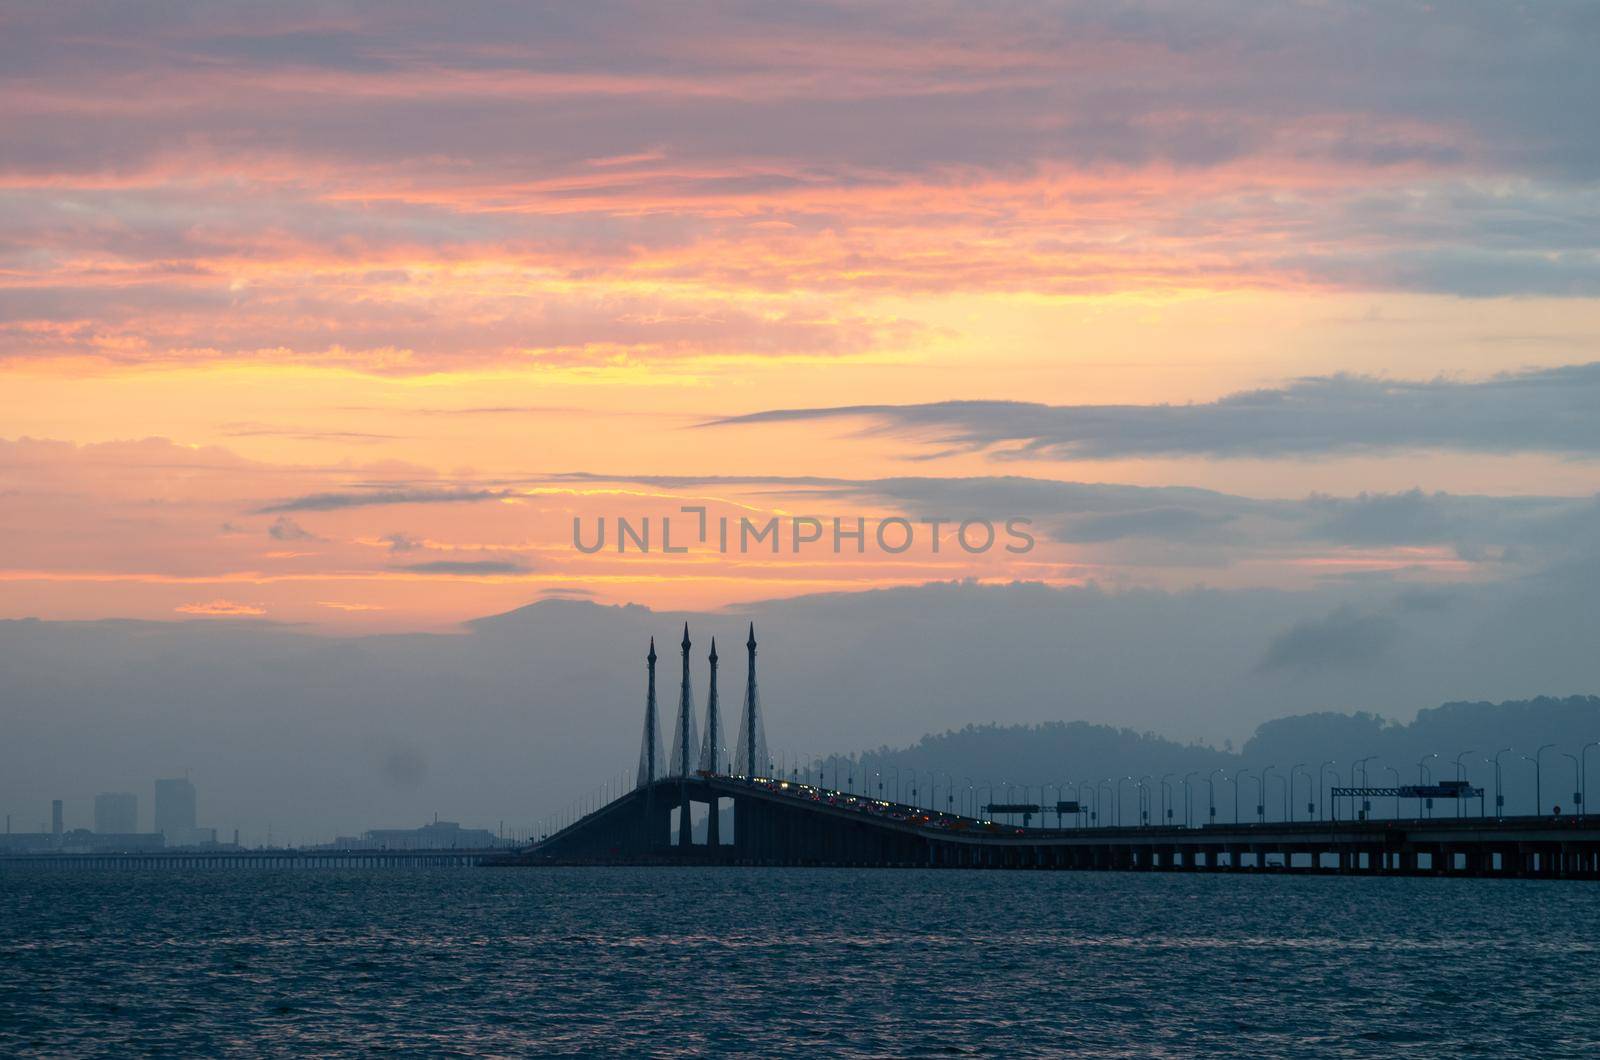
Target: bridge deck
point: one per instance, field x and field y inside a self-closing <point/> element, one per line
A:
<point x="778" y="823"/>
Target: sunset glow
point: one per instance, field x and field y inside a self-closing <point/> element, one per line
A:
<point x="343" y="318"/>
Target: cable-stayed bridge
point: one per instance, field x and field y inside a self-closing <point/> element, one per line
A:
<point x="784" y="822"/>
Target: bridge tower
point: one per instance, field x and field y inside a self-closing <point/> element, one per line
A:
<point x="652" y="760"/>
<point x="713" y="754"/>
<point x="750" y="753"/>
<point x="683" y="745"/>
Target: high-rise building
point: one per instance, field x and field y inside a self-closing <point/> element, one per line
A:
<point x="175" y="809"/>
<point x="116" y="813"/>
<point x="55" y="817"/>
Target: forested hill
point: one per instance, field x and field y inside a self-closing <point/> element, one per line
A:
<point x="1077" y="751"/>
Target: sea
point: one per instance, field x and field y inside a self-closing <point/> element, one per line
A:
<point x="791" y="963"/>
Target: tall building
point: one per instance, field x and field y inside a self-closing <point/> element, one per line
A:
<point x="116" y="813"/>
<point x="175" y="809"/>
<point x="55" y="817"/>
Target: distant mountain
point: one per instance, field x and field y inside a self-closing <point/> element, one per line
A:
<point x="1071" y="753"/>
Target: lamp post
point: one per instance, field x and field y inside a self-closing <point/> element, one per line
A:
<point x="1577" y="780"/>
<point x="1538" y="785"/>
<point x="1166" y="799"/>
<point x="1236" y="776"/>
<point x="1261" y="804"/>
<point x="1118" y="803"/>
<point x="1310" y="806"/>
<point x="1583" y="787"/>
<point x="1425" y="776"/>
<point x="1321" y="787"/>
<point x="1361" y="764"/>
<point x="1499" y="799"/>
<point x="1211" y="793"/>
<point x="1460" y="776"/>
<point x="1188" y="802"/>
<point x="913" y="773"/>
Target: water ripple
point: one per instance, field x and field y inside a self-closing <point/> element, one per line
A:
<point x="663" y="962"/>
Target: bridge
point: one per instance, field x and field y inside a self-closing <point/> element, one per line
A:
<point x="783" y="822"/>
<point x="251" y="859"/>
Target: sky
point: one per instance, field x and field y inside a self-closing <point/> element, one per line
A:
<point x="340" y="317"/>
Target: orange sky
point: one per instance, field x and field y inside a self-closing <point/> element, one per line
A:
<point x="250" y="260"/>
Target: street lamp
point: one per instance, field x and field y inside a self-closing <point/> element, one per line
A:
<point x="1236" y="776"/>
<point x="1261" y="809"/>
<point x="1211" y="793"/>
<point x="1261" y="806"/>
<point x="1166" y="799"/>
<point x="1583" y="788"/>
<point x="1538" y="789"/>
<point x="1459" y="776"/>
<point x="1425" y="776"/>
<point x="1361" y="764"/>
<point x="1321" y="787"/>
<point x="1499" y="799"/>
<point x="1577" y="780"/>
<point x="1118" y="803"/>
<point x="1310" y="806"/>
<point x="1188" y="802"/>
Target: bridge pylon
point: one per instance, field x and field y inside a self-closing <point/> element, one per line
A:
<point x="713" y="754"/>
<point x="750" y="757"/>
<point x="684" y="744"/>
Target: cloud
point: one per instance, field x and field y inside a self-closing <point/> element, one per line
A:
<point x="1340" y="640"/>
<point x="1096" y="513"/>
<point x="286" y="529"/>
<point x="675" y="188"/>
<point x="403" y="542"/>
<point x="326" y="502"/>
<point x="220" y="608"/>
<point x="1162" y="523"/>
<point x="465" y="568"/>
<point x="1543" y="410"/>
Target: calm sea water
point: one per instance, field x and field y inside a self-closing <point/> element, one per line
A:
<point x="786" y="963"/>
